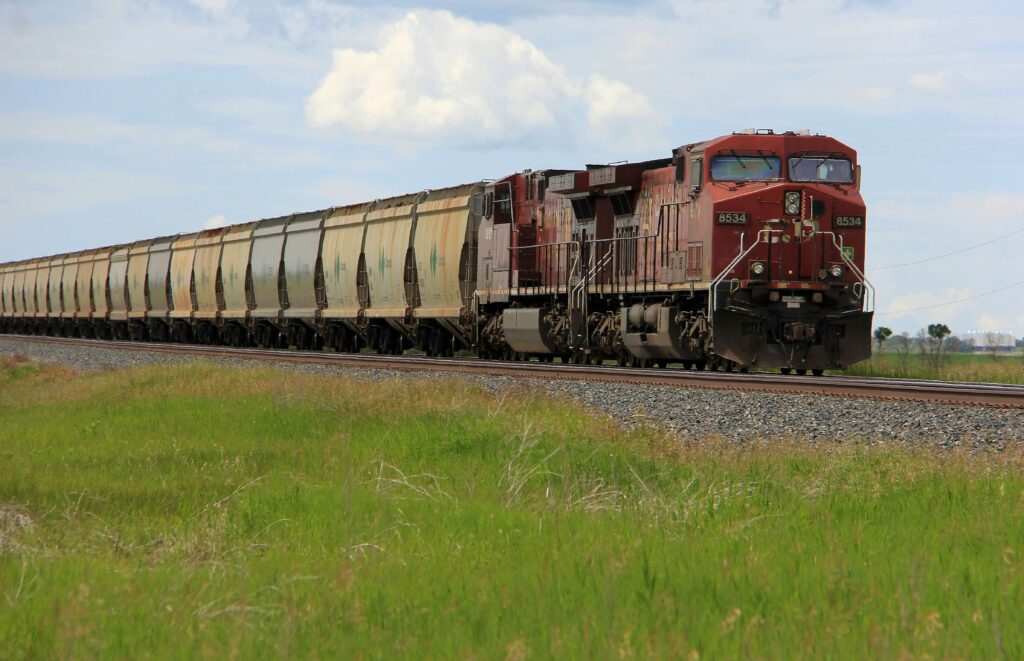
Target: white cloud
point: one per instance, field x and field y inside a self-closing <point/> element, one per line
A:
<point x="617" y="111"/>
<point x="435" y="77"/>
<point x="215" y="7"/>
<point x="937" y="81"/>
<point x="215" y="222"/>
<point x="945" y="302"/>
<point x="113" y="40"/>
<point x="1003" y="209"/>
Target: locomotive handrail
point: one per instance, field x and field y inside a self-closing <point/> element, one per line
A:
<point x="713" y="289"/>
<point x="862" y="279"/>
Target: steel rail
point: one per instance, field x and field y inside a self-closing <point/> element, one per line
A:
<point x="986" y="394"/>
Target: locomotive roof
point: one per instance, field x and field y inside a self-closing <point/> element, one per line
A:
<point x="786" y="140"/>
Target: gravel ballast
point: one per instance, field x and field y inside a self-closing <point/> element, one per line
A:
<point x="690" y="413"/>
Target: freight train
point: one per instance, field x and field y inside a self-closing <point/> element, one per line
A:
<point x="744" y="251"/>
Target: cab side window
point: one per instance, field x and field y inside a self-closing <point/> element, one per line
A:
<point x="696" y="174"/>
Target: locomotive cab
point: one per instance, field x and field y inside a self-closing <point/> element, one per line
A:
<point x="789" y="290"/>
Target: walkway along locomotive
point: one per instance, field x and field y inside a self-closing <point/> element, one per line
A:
<point x="742" y="251"/>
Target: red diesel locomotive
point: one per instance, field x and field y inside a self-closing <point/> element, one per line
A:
<point x="742" y="251"/>
<point x="745" y="251"/>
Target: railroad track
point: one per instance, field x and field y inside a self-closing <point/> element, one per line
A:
<point x="986" y="394"/>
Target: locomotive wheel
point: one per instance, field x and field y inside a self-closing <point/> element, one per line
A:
<point x="785" y="370"/>
<point x="818" y="371"/>
<point x="800" y="371"/>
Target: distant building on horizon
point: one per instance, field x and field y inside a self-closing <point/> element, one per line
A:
<point x="987" y="340"/>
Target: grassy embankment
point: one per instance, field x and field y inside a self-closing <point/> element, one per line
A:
<point x="983" y="368"/>
<point x="171" y="512"/>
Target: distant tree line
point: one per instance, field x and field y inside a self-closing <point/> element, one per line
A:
<point x="935" y="341"/>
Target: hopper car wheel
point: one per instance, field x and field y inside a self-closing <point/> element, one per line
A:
<point x="622" y="359"/>
<point x="801" y="371"/>
<point x="785" y="370"/>
<point x="817" y="371"/>
<point x="744" y="369"/>
<point x="663" y="364"/>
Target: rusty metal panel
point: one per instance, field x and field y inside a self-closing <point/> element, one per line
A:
<point x="138" y="263"/>
<point x="6" y="288"/>
<point x="31" y="271"/>
<point x="67" y="286"/>
<point x="14" y="287"/>
<point x="54" y="270"/>
<point x="386" y="243"/>
<point x="158" y="277"/>
<point x="183" y="253"/>
<point x="83" y="285"/>
<point x="28" y="289"/>
<point x="562" y="182"/>
<point x="117" y="278"/>
<point x="444" y="242"/>
<point x="205" y="268"/>
<point x="83" y="277"/>
<point x="100" y="272"/>
<point x="600" y="176"/>
<point x="234" y="265"/>
<point x="342" y="246"/>
<point x="3" y="288"/>
<point x="18" y="290"/>
<point x="57" y="294"/>
<point x="10" y="273"/>
<point x="40" y="274"/>
<point x="10" y="303"/>
<point x="267" y="254"/>
<point x="301" y="251"/>
<point x="42" y="291"/>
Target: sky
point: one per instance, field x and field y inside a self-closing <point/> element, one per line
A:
<point x="129" y="119"/>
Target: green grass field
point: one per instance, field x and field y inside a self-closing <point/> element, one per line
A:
<point x="975" y="367"/>
<point x="202" y="510"/>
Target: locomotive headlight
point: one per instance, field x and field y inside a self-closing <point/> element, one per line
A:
<point x="793" y="203"/>
<point x="836" y="271"/>
<point x="757" y="268"/>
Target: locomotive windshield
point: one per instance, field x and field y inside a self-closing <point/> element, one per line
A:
<point x="735" y="167"/>
<point x="818" y="168"/>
